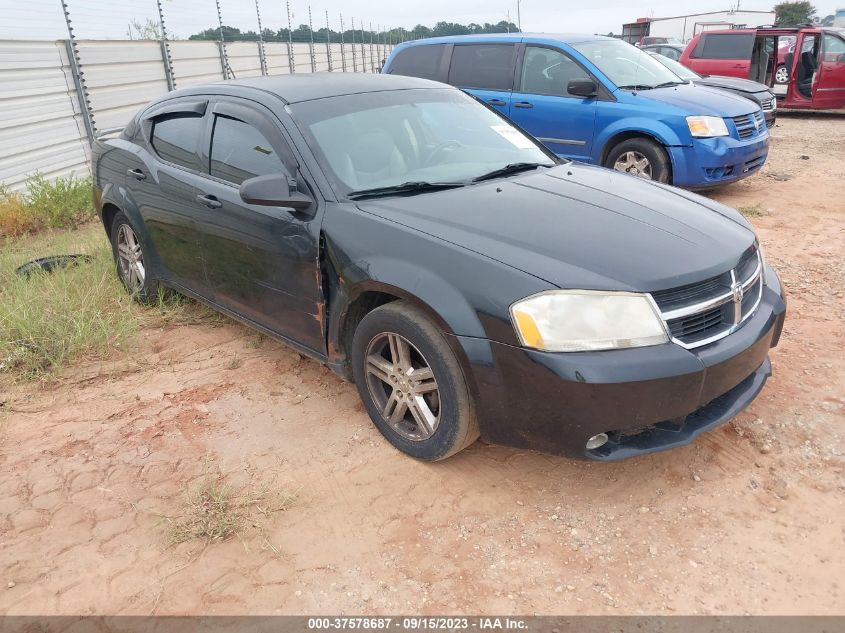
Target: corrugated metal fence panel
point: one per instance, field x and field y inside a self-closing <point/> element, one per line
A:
<point x="121" y="77"/>
<point x="321" y="58"/>
<point x="195" y="62"/>
<point x="301" y="57"/>
<point x="40" y="127"/>
<point x="277" y="58"/>
<point x="244" y="59"/>
<point x="337" y="58"/>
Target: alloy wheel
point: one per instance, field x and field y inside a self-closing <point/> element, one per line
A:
<point x="782" y="75"/>
<point x="635" y="164"/>
<point x="130" y="258"/>
<point x="403" y="386"/>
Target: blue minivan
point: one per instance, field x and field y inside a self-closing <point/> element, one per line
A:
<point x="600" y="100"/>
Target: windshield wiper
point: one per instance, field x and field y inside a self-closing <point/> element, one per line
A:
<point x="405" y="187"/>
<point x="636" y="87"/>
<point x="513" y="168"/>
<point x="666" y="84"/>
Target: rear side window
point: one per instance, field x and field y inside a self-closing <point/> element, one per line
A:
<point x="486" y="66"/>
<point x="419" y="61"/>
<point x="175" y="136"/>
<point x="725" y="46"/>
<point x="239" y="152"/>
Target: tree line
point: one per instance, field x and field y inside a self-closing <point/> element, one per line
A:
<point x="392" y="36"/>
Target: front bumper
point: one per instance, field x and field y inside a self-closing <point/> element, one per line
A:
<point x="711" y="162"/>
<point x="646" y="399"/>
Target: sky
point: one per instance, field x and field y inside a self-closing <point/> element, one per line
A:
<point x="42" y="19"/>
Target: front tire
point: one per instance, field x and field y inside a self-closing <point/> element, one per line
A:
<point x="640" y="157"/>
<point x="782" y="74"/>
<point x="131" y="262"/>
<point x="412" y="384"/>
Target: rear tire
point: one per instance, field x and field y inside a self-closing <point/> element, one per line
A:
<point x="782" y="74"/>
<point x="412" y="384"/>
<point x="131" y="261"/>
<point x="640" y="157"/>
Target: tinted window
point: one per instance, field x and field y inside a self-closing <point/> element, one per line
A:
<point x="175" y="136"/>
<point x="239" y="152"/>
<point x="548" y="72"/>
<point x="487" y="66"/>
<point x="726" y="46"/>
<point x="419" y="61"/>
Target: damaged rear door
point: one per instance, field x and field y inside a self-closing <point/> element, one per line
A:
<point x="261" y="261"/>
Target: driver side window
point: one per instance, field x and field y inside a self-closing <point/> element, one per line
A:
<point x="833" y="49"/>
<point x="546" y="71"/>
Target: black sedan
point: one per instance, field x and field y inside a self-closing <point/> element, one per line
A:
<point x="756" y="92"/>
<point x="469" y="282"/>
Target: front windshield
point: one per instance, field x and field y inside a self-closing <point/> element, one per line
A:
<point x="676" y="67"/>
<point x="387" y="139"/>
<point x="625" y="65"/>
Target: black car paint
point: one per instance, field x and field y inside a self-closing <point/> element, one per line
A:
<point x="753" y="90"/>
<point x="463" y="256"/>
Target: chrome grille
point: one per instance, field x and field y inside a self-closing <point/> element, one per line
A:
<point x="750" y="125"/>
<point x="702" y="313"/>
<point x="768" y="104"/>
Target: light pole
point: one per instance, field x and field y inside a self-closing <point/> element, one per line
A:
<point x="518" y="16"/>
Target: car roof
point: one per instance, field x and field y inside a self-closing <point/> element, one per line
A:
<point x="308" y="86"/>
<point x="563" y="38"/>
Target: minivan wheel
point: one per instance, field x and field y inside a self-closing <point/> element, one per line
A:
<point x="640" y="157"/>
<point x="782" y="74"/>
<point x="132" y="267"/>
<point x="411" y="383"/>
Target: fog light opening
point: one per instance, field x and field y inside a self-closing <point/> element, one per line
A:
<point x="597" y="441"/>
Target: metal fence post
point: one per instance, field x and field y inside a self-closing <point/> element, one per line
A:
<point x="342" y="47"/>
<point x="165" y="50"/>
<point x="372" y="62"/>
<point x="78" y="78"/>
<point x="328" y="41"/>
<point x="291" y="62"/>
<point x="311" y="42"/>
<point x="354" y="54"/>
<point x="262" y="55"/>
<point x="224" y="57"/>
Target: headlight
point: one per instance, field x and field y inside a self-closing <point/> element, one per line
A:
<point x="584" y="320"/>
<point x="704" y="126"/>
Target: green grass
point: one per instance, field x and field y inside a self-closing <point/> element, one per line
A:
<point x="215" y="510"/>
<point x="753" y="211"/>
<point x="59" y="203"/>
<point x="51" y="320"/>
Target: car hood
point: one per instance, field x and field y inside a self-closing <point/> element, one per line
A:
<point x="732" y="83"/>
<point x="700" y="100"/>
<point x="578" y="226"/>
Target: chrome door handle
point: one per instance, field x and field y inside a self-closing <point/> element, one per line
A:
<point x="523" y="104"/>
<point x="210" y="201"/>
<point x="136" y="173"/>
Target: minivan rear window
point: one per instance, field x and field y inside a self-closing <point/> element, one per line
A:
<point x="421" y="61"/>
<point x="486" y="66"/>
<point x="725" y="46"/>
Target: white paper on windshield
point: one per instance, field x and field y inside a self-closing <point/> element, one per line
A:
<point x="515" y="138"/>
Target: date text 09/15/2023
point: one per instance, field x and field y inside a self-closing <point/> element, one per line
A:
<point x="417" y="623"/>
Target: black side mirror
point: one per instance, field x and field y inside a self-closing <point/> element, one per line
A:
<point x="272" y="191"/>
<point x="586" y="88"/>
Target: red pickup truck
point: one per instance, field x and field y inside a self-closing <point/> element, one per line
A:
<point x="809" y="61"/>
